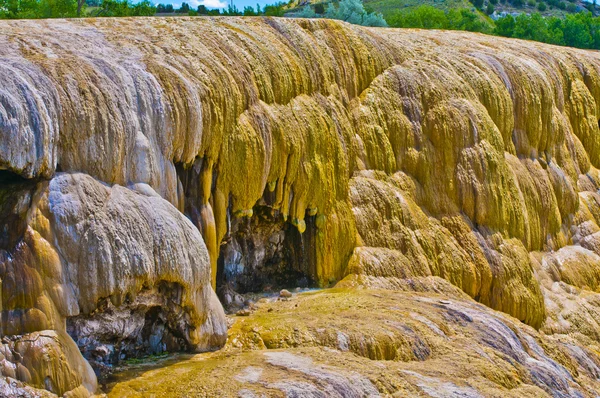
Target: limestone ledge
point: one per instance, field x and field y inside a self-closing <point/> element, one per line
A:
<point x="408" y="156"/>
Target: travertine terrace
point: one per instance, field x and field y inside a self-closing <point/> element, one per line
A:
<point x="147" y="162"/>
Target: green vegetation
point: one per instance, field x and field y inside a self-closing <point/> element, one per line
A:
<point x="272" y="10"/>
<point x="13" y="9"/>
<point x="351" y="11"/>
<point x="31" y="9"/>
<point x="428" y="17"/>
<point x="146" y="359"/>
<point x="580" y="30"/>
<point x="123" y="8"/>
<point x="391" y="7"/>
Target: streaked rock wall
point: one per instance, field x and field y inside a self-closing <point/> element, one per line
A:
<point x="409" y="154"/>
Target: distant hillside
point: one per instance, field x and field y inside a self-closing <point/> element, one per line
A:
<point x="388" y="7"/>
<point x="486" y="11"/>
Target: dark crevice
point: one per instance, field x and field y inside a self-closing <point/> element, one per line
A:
<point x="8" y="177"/>
<point x="154" y="320"/>
<point x="18" y="197"/>
<point x="261" y="253"/>
<point x="264" y="253"/>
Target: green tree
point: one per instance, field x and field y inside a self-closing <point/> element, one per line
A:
<point x="143" y="8"/>
<point x="232" y="11"/>
<point x="467" y="20"/>
<point x="307" y="12"/>
<point x="28" y="9"/>
<point x="424" y="17"/>
<point x="10" y="9"/>
<point x="555" y="31"/>
<point x="184" y="9"/>
<point x="274" y="10"/>
<point x="112" y="8"/>
<point x="531" y="27"/>
<point x="505" y="26"/>
<point x="249" y="11"/>
<point x="164" y="8"/>
<point x="353" y="11"/>
<point x="58" y="8"/>
<point x="122" y="8"/>
<point x="577" y="30"/>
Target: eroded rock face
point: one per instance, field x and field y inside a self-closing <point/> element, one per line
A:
<point x="126" y="270"/>
<point x="380" y="343"/>
<point x="146" y="152"/>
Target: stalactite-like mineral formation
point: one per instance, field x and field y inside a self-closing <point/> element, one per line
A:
<point x="146" y="164"/>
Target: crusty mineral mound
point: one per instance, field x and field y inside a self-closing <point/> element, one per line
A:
<point x="147" y="162"/>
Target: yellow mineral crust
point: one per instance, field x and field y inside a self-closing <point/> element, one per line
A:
<point x="354" y="343"/>
<point x="416" y="155"/>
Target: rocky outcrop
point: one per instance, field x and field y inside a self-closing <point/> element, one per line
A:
<point x="379" y="343"/>
<point x="144" y="159"/>
<point x="121" y="270"/>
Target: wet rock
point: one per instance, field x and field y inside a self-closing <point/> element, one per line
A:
<point x="243" y="312"/>
<point x="285" y="293"/>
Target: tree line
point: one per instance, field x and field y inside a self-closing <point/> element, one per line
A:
<point x="31" y="9"/>
<point x="581" y="30"/>
<point x="429" y="17"/>
<point x="271" y="10"/>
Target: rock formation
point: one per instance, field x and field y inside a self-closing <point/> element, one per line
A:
<point x="147" y="162"/>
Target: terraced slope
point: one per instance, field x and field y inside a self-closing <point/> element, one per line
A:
<point x="147" y="161"/>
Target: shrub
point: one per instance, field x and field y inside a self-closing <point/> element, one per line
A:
<point x="306" y="12"/>
<point x="353" y="11"/>
<point x="505" y="26"/>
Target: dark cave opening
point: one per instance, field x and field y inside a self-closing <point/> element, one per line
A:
<point x="150" y="325"/>
<point x="261" y="253"/>
<point x="264" y="253"/>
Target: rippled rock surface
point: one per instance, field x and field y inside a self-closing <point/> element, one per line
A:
<point x="147" y="163"/>
<point x="376" y="343"/>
